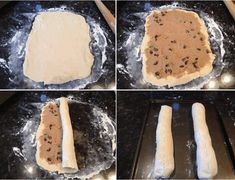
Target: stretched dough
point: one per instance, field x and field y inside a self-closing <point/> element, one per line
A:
<point x="206" y="159"/>
<point x="164" y="157"/>
<point x="68" y="151"/>
<point x="57" y="49"/>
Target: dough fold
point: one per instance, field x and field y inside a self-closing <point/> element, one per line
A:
<point x="206" y="159"/>
<point x="164" y="157"/>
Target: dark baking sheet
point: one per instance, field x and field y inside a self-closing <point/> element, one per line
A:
<point x="11" y="16"/>
<point x="19" y="109"/>
<point x="184" y="144"/>
<point x="125" y="22"/>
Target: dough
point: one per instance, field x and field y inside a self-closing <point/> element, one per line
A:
<point x="68" y="157"/>
<point x="55" y="145"/>
<point x="49" y="139"/>
<point x="175" y="48"/>
<point x="206" y="159"/>
<point x="164" y="157"/>
<point x="57" y="49"/>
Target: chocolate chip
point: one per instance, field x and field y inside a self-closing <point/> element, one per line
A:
<point x="181" y="66"/>
<point x="49" y="142"/>
<point x="184" y="21"/>
<point x="48" y="159"/>
<point x="194" y="37"/>
<point x="198" y="49"/>
<point x="195" y="65"/>
<point x="170" y="49"/>
<point x="201" y="39"/>
<point x="198" y="33"/>
<point x="167" y="65"/>
<point x="151" y="52"/>
<point x="191" y="22"/>
<point x="161" y="24"/>
<point x="156" y="55"/>
<point x="49" y="149"/>
<point x="207" y="51"/>
<point x="187" y="57"/>
<point x="173" y="41"/>
<point x="186" y="62"/>
<point x="50" y="126"/>
<point x="45" y="139"/>
<point x="166" y="57"/>
<point x="196" y="59"/>
<point x="184" y="46"/>
<point x="55" y="114"/>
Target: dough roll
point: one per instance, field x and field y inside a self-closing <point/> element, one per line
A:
<point x="206" y="159"/>
<point x="164" y="157"/>
<point x="69" y="161"/>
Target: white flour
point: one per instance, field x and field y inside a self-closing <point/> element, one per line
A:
<point x="131" y="48"/>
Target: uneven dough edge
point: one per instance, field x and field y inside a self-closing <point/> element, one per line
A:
<point x="206" y="160"/>
<point x="164" y="156"/>
<point x="170" y="80"/>
<point x="69" y="161"/>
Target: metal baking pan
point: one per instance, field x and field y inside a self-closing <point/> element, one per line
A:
<point x="19" y="120"/>
<point x="184" y="144"/>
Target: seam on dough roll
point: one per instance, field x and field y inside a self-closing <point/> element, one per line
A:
<point x="206" y="159"/>
<point x="164" y="157"/>
<point x="69" y="161"/>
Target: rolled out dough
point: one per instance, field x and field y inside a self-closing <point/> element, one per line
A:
<point x="164" y="157"/>
<point x="55" y="143"/>
<point x="206" y="159"/>
<point x="57" y="49"/>
<point x="175" y="48"/>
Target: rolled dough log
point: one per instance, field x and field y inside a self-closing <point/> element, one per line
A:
<point x="206" y="159"/>
<point x="164" y="157"/>
<point x="68" y="151"/>
<point x="55" y="144"/>
<point x="57" y="49"/>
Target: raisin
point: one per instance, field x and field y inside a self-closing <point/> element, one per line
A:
<point x="186" y="62"/>
<point x="161" y="24"/>
<point x="207" y="51"/>
<point x="170" y="49"/>
<point x="195" y="65"/>
<point x="181" y="66"/>
<point x="198" y="33"/>
<point x="184" y="46"/>
<point x="187" y="31"/>
<point x="49" y="142"/>
<point x="191" y="22"/>
<point x="151" y="52"/>
<point x="167" y="65"/>
<point x="50" y="126"/>
<point x="166" y="57"/>
<point x="49" y="149"/>
<point x="48" y="159"/>
<point x="194" y="37"/>
<point x="155" y="49"/>
<point x="156" y="63"/>
<point x="156" y="55"/>
<point x="196" y="59"/>
<point x="201" y="39"/>
<point x="198" y="49"/>
<point x="45" y="139"/>
<point x="49" y="137"/>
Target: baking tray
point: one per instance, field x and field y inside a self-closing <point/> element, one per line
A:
<point x="184" y="144"/>
<point x="130" y="31"/>
<point x="20" y="117"/>
<point x="16" y="19"/>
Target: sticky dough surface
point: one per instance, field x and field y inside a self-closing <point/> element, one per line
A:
<point x="57" y="49"/>
<point x="175" y="48"/>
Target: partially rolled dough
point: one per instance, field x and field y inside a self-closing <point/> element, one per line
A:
<point x="206" y="159"/>
<point x="55" y="143"/>
<point x="164" y="157"/>
<point x="57" y="49"/>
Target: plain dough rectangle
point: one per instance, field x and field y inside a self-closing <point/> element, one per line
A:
<point x="206" y="159"/>
<point x="69" y="162"/>
<point x="164" y="157"/>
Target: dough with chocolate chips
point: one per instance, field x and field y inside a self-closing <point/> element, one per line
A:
<point x="175" y="48"/>
<point x="57" y="49"/>
<point x="55" y="143"/>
